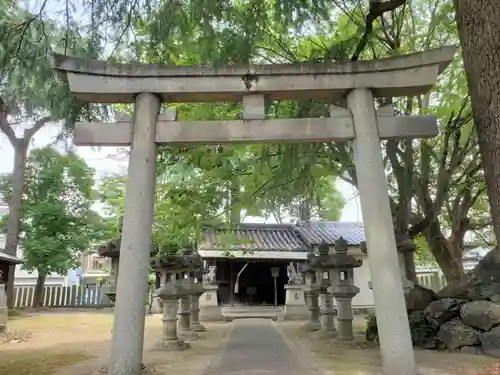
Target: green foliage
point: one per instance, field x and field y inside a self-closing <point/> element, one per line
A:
<point x="57" y="221"/>
<point x="423" y="255"/>
<point x="29" y="87"/>
<point x="430" y="179"/>
<point x="111" y="192"/>
<point x="185" y="202"/>
<point x="371" y="333"/>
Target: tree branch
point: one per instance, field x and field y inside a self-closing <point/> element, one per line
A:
<point x="478" y="225"/>
<point x="377" y="8"/>
<point x="5" y="127"/>
<point x="29" y="133"/>
<point x="8" y="131"/>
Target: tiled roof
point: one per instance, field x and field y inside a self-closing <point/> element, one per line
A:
<point x="9" y="259"/>
<point x="253" y="237"/>
<point x="317" y="232"/>
<point x="282" y="237"/>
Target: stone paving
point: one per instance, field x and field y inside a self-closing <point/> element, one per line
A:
<point x="258" y="347"/>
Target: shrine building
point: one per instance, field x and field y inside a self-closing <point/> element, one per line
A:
<point x="245" y="270"/>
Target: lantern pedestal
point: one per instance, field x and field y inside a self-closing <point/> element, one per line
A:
<point x="295" y="302"/>
<point x="209" y="305"/>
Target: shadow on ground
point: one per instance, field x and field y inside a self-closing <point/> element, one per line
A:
<point x="77" y="343"/>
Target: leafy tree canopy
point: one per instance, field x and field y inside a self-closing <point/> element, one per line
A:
<point x="57" y="221"/>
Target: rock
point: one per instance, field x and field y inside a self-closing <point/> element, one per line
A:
<point x="483" y="282"/>
<point x="419" y="298"/>
<point x="495" y="298"/>
<point x="371" y="333"/>
<point x="474" y="350"/>
<point x="443" y="310"/>
<point x="482" y="315"/>
<point x="455" y="334"/>
<point x="491" y="342"/>
<point x="422" y="333"/>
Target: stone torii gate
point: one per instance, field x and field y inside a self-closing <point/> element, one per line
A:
<point x="147" y="86"/>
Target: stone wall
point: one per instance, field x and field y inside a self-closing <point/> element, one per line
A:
<point x="464" y="316"/>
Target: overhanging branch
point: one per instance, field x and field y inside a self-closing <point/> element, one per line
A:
<point x="8" y="131"/>
<point x="29" y="133"/>
<point x="377" y="8"/>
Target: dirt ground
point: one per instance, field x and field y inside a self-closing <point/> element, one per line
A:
<point x="360" y="358"/>
<point x="77" y="343"/>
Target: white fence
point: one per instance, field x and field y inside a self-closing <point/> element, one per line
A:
<point x="62" y="296"/>
<point x="91" y="296"/>
<point x="433" y="280"/>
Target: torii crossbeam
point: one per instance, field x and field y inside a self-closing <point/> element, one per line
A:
<point x="338" y="127"/>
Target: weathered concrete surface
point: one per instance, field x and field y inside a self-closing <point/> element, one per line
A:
<point x="254" y="107"/>
<point x="337" y="127"/>
<point x="257" y="347"/>
<point x="96" y="81"/>
<point x="392" y="320"/>
<point x="130" y="309"/>
<point x="295" y="303"/>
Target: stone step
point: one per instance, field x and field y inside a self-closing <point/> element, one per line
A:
<point x="252" y="309"/>
<point x="256" y="312"/>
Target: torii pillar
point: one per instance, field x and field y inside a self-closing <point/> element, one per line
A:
<point x="390" y="307"/>
<point x="130" y="309"/>
<point x="148" y="85"/>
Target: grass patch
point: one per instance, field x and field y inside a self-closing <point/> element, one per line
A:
<point x="56" y="322"/>
<point x="40" y="362"/>
<point x="14" y="313"/>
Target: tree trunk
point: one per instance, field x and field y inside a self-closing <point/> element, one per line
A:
<point x="305" y="211"/>
<point x="277" y="216"/>
<point x="447" y="256"/>
<point x="478" y="24"/>
<point x="39" y="287"/>
<point x="15" y="205"/>
<point x="411" y="272"/>
<point x="235" y="213"/>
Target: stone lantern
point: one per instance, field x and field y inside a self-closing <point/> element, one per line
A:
<point x="176" y="292"/>
<point x="405" y="248"/>
<point x="311" y="294"/>
<point x="111" y="249"/>
<point x="196" y="325"/>
<point x="343" y="288"/>
<point x="321" y="263"/>
<point x="192" y="264"/>
<point x="169" y="293"/>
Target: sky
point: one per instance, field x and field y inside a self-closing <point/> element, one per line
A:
<point x="105" y="161"/>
